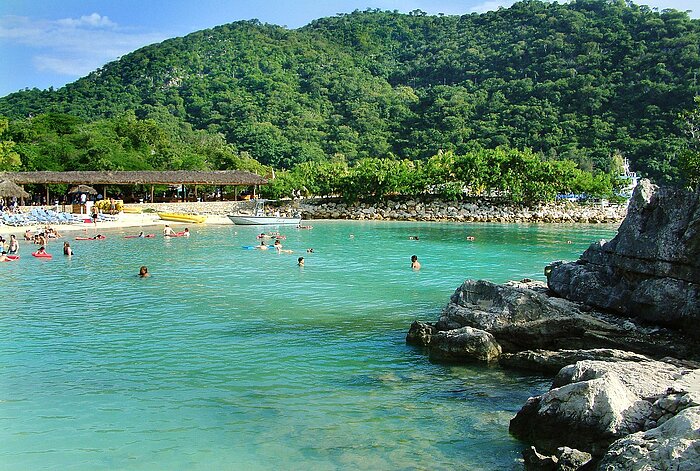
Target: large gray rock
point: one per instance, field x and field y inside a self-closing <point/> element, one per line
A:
<point x="672" y="445"/>
<point x="524" y="316"/>
<point x="651" y="269"/>
<point x="593" y="403"/>
<point x="466" y="343"/>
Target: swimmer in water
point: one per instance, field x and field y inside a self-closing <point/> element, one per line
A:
<point x="415" y="264"/>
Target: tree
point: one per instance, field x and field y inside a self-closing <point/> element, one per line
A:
<point x="9" y="158"/>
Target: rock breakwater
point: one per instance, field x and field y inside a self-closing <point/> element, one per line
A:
<point x="466" y="212"/>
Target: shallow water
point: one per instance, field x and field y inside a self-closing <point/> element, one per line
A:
<point x="227" y="358"/>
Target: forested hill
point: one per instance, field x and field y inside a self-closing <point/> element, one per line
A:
<point x="583" y="80"/>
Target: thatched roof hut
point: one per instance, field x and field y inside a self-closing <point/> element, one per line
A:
<point x="148" y="177"/>
<point x="9" y="189"/>
<point x="170" y="177"/>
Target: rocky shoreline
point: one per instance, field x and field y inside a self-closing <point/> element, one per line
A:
<point x="319" y="208"/>
<point x="615" y="328"/>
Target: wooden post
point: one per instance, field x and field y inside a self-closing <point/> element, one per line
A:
<point x="48" y="201"/>
<point x="195" y="192"/>
<point x="152" y="200"/>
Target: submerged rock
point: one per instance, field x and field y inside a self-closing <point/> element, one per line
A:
<point x="466" y="343"/>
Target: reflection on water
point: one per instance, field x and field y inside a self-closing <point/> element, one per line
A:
<point x="227" y="358"/>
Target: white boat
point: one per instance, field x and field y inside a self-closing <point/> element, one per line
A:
<point x="259" y="218"/>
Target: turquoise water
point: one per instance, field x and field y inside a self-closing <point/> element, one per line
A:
<point x="227" y="358"/>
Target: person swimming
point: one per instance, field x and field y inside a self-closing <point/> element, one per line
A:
<point x="415" y="264"/>
<point x="300" y="261"/>
<point x="143" y="271"/>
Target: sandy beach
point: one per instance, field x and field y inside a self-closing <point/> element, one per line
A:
<point x="124" y="220"/>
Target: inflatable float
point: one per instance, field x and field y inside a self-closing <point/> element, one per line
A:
<point x="42" y="255"/>
<point x="11" y="258"/>
<point x="147" y="236"/>
<point x="91" y="238"/>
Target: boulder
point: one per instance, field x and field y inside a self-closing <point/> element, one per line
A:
<point x="672" y="445"/>
<point x="593" y="403"/>
<point x="464" y="344"/>
<point x="420" y="333"/>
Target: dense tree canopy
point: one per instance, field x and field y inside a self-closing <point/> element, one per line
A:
<point x="582" y="81"/>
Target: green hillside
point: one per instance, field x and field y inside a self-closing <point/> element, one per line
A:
<point x="585" y="81"/>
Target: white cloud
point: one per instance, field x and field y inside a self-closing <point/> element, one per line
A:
<point x="72" y="46"/>
<point x="95" y="21"/>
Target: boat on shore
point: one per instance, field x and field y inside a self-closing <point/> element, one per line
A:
<point x="259" y="218"/>
<point x="182" y="217"/>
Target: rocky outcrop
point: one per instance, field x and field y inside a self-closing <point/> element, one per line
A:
<point x="602" y="323"/>
<point x="673" y="445"/>
<point x="593" y="403"/>
<point x="654" y="256"/>
<point x="525" y="316"/>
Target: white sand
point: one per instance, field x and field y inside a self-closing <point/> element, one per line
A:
<point x="136" y="221"/>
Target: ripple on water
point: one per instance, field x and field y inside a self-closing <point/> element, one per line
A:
<point x="239" y="359"/>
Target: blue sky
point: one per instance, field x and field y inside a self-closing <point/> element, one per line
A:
<point x="47" y="43"/>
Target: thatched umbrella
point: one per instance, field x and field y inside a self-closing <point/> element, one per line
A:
<point x="83" y="189"/>
<point x="9" y="189"/>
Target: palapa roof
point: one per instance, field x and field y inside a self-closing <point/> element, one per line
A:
<point x="150" y="177"/>
<point x="8" y="189"/>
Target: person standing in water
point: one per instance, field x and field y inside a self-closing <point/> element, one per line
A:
<point x="13" y="249"/>
<point x="415" y="264"/>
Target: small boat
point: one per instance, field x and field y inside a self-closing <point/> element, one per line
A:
<point x="182" y="217"/>
<point x="259" y="218"/>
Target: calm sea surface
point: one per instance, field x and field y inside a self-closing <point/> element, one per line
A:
<point x="227" y="358"/>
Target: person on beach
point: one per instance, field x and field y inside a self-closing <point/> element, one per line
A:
<point x="300" y="261"/>
<point x="415" y="264"/>
<point x="67" y="250"/>
<point x="186" y="232"/>
<point x="143" y="271"/>
<point x="141" y="234"/>
<point x="41" y="251"/>
<point x="413" y="238"/>
<point x="95" y="214"/>
<point x="13" y="249"/>
<point x="28" y="235"/>
<point x="470" y="237"/>
<point x="5" y="258"/>
<point x="168" y="231"/>
<point x="262" y="246"/>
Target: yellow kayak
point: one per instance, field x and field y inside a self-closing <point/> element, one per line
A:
<point x="182" y="217"/>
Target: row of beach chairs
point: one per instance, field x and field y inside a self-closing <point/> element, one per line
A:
<point x="39" y="216"/>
